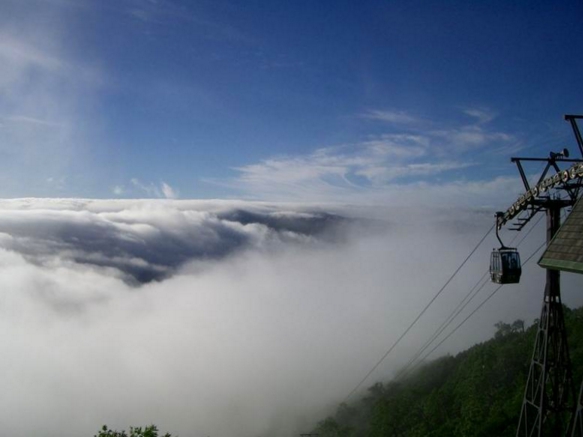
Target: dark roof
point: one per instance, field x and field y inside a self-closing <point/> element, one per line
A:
<point x="566" y="249"/>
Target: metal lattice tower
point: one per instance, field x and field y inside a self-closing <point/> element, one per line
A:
<point x="549" y="396"/>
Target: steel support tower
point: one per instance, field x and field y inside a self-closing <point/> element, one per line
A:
<point x="549" y="397"/>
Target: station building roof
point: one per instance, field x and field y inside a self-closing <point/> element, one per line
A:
<point x="565" y="252"/>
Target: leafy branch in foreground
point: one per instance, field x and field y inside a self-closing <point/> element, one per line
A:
<point x="148" y="431"/>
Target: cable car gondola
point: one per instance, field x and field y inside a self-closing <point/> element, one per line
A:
<point x="505" y="265"/>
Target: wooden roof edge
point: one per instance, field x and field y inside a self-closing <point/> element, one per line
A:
<point x="567" y="266"/>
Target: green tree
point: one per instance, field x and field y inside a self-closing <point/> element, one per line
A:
<point x="476" y="393"/>
<point x="331" y="428"/>
<point x="148" y="431"/>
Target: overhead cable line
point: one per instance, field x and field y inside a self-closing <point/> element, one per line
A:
<point x="474" y="291"/>
<point x="418" y="317"/>
<point x="529" y="231"/>
<point x="472" y="313"/>
<point x="460" y="307"/>
<point x="449" y="319"/>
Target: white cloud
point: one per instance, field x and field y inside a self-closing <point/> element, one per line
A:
<point x="147" y="240"/>
<point x="399" y="145"/>
<point x="482" y="115"/>
<point x="31" y="121"/>
<point x="57" y="183"/>
<point x="471" y="138"/>
<point x="19" y="56"/>
<point x="168" y="191"/>
<point x="152" y="190"/>
<point x="258" y="342"/>
<point x="343" y="162"/>
<point x="384" y="174"/>
<point x="393" y="117"/>
<point x="379" y="168"/>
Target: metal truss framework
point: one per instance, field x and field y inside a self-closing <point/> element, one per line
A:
<point x="549" y="397"/>
<point x="550" y="394"/>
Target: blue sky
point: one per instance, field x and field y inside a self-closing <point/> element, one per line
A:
<point x="370" y="101"/>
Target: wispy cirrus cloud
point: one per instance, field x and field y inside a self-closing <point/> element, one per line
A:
<point x="482" y="115"/>
<point x="45" y="93"/>
<point x="31" y="121"/>
<point x="168" y="191"/>
<point x="470" y="137"/>
<point x="460" y="136"/>
<point x="155" y="13"/>
<point x="390" y="116"/>
<point x="18" y="54"/>
<point x="403" y="159"/>
<point x="303" y="180"/>
<point x="383" y="174"/>
<point x="163" y="190"/>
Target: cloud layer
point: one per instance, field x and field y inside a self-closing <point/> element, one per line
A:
<point x="145" y="241"/>
<point x="264" y="316"/>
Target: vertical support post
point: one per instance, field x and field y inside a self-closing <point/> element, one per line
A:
<point x="549" y="395"/>
<point x="573" y="120"/>
<point x="577" y="424"/>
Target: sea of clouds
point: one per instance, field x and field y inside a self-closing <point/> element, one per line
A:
<point x="225" y="318"/>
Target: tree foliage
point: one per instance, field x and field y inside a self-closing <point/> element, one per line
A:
<point x="478" y="392"/>
<point x="148" y="431"/>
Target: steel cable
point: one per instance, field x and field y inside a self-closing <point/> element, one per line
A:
<point x="474" y="311"/>
<point x="460" y="307"/>
<point x="417" y="318"/>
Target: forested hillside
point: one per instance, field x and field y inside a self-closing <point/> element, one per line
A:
<point x="475" y="393"/>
